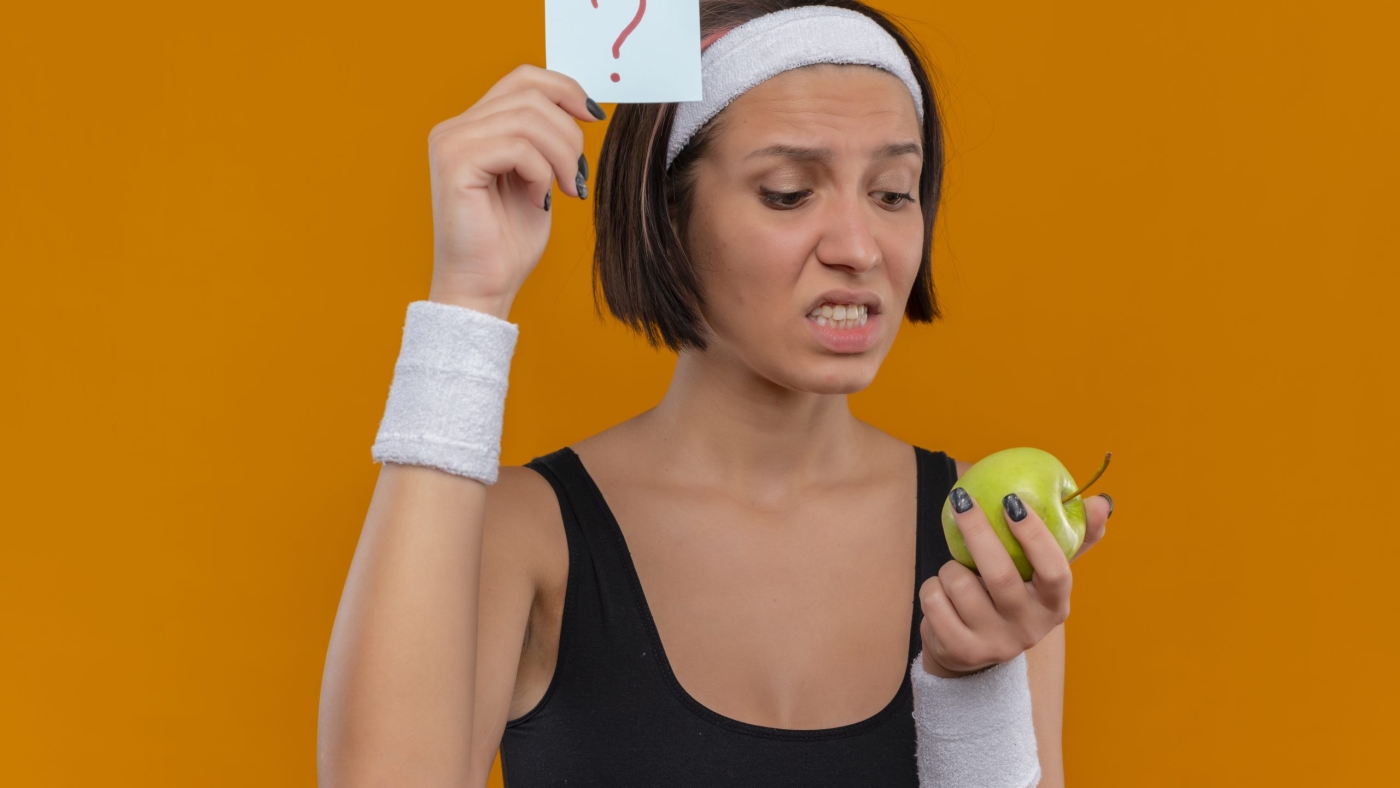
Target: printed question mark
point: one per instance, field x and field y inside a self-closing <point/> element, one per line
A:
<point x="626" y="31"/>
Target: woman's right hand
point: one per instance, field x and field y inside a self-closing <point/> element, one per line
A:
<point x="973" y="620"/>
<point x="493" y="167"/>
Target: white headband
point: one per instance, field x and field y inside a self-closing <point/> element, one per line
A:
<point x="781" y="41"/>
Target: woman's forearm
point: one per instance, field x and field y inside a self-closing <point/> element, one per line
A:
<point x="396" y="696"/>
<point x="1045" y="671"/>
<point x="398" y="692"/>
<point x="975" y="731"/>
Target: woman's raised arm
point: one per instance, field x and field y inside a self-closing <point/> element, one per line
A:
<point x="398" y="691"/>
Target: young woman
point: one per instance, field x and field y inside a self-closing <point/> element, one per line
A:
<point x="744" y="585"/>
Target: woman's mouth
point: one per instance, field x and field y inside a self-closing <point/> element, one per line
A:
<point x="840" y="316"/>
<point x="844" y="328"/>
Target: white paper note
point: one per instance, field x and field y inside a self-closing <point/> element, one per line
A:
<point x="626" y="51"/>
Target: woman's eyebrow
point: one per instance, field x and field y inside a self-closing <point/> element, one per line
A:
<point x="798" y="153"/>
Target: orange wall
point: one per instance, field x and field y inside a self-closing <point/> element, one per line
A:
<point x="1178" y="220"/>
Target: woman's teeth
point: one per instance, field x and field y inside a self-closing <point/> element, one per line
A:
<point x="840" y="315"/>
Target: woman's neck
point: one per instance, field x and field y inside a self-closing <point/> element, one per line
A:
<point x="720" y="423"/>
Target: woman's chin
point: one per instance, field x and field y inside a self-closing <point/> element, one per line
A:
<point x="835" y="381"/>
<point x="800" y="367"/>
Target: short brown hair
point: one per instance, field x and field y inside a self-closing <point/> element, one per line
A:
<point x="640" y="263"/>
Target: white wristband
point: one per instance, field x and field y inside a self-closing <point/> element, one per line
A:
<point x="447" y="399"/>
<point x="975" y="731"/>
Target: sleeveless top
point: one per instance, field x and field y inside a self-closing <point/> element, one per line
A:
<point x="614" y="713"/>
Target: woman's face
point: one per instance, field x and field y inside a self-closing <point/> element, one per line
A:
<point x="804" y="214"/>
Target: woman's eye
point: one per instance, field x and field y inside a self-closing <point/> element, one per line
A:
<point x="791" y="199"/>
<point x="781" y="199"/>
<point x="895" y="199"/>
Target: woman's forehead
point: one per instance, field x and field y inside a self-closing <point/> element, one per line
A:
<point x="860" y="105"/>
<point x="822" y="79"/>
<point x="859" y="91"/>
<point x="824" y="155"/>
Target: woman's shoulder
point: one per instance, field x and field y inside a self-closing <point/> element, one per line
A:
<point x="895" y="444"/>
<point x="962" y="467"/>
<point x="524" y="525"/>
<point x="522" y="494"/>
<point x="524" y="519"/>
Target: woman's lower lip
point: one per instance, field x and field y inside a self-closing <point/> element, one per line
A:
<point x="847" y="340"/>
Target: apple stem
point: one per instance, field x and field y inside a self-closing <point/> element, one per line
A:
<point x="1102" y="468"/>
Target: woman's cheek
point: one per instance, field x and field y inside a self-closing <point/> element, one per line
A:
<point x="908" y="265"/>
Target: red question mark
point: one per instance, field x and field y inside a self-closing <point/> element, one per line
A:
<point x="626" y="31"/>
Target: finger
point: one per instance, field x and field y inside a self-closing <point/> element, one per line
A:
<point x="1050" y="575"/>
<point x="561" y="121"/>
<point x="567" y="128"/>
<point x="939" y="614"/>
<point x="1097" y="509"/>
<point x="562" y="90"/>
<point x="994" y="564"/>
<point x="506" y="155"/>
<point x="969" y="597"/>
<point x="530" y="123"/>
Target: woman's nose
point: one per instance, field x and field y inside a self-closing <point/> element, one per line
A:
<point x="847" y="241"/>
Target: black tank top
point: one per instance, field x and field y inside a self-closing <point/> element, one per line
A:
<point x="615" y="715"/>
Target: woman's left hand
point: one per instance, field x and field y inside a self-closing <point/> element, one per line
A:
<point x="972" y="622"/>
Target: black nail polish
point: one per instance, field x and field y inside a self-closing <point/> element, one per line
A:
<point x="595" y="110"/>
<point x="961" y="500"/>
<point x="1014" y="508"/>
<point x="547" y="195"/>
<point x="1110" y="505"/>
<point x="582" y="186"/>
<point x="583" y="166"/>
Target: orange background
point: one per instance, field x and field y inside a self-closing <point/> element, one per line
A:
<point x="1169" y="231"/>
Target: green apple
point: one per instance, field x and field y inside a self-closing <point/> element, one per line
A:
<point x="1043" y="485"/>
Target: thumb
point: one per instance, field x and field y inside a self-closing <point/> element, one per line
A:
<point x="1097" y="509"/>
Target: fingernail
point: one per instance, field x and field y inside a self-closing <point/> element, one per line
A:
<point x="583" y="166"/>
<point x="595" y="110"/>
<point x="1014" y="508"/>
<point x="961" y="500"/>
<point x="1110" y="505"/>
<point x="547" y="195"/>
<point x="582" y="186"/>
